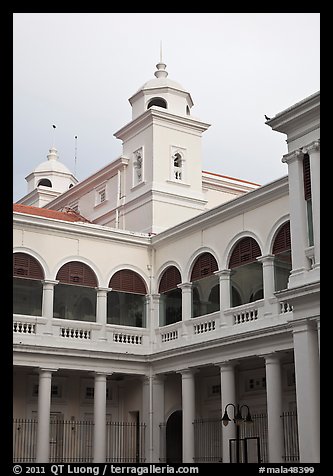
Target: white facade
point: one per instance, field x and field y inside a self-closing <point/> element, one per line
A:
<point x="183" y="321"/>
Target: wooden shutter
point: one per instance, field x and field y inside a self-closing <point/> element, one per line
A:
<point x="77" y="273"/>
<point x="282" y="240"/>
<point x="127" y="281"/>
<point x="171" y="277"/>
<point x="25" y="266"/>
<point x="246" y="251"/>
<point x="306" y="177"/>
<point x="205" y="265"/>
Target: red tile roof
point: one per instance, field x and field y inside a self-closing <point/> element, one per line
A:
<point x="67" y="215"/>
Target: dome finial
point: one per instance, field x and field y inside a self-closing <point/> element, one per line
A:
<point x="161" y="72"/>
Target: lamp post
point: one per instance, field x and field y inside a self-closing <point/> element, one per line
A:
<point x="238" y="419"/>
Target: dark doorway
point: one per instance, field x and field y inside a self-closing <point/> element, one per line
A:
<point x="174" y="438"/>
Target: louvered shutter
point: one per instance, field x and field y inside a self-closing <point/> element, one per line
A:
<point x="171" y="277"/>
<point x="25" y="266"/>
<point x="204" y="266"/>
<point x="246" y="251"/>
<point x="306" y="177"/>
<point x="77" y="273"/>
<point x="127" y="281"/>
<point x="282" y="240"/>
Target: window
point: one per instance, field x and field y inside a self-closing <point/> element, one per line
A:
<point x="170" y="297"/>
<point x="205" y="286"/>
<point x="75" y="295"/>
<point x="126" y="301"/>
<point x="308" y="196"/>
<point x="102" y="196"/>
<point x="45" y="183"/>
<point x="160" y="102"/>
<point x="282" y="262"/>
<point x="177" y="166"/>
<point x="27" y="285"/>
<point x="246" y="277"/>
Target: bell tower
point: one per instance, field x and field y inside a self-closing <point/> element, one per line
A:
<point x="163" y="146"/>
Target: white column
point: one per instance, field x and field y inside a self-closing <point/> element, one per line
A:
<point x="100" y="418"/>
<point x="269" y="282"/>
<point x="306" y="354"/>
<point x="314" y="154"/>
<point x="274" y="408"/>
<point x="225" y="293"/>
<point x="188" y="407"/>
<point x="44" y="407"/>
<point x="186" y="300"/>
<point x="298" y="214"/>
<point x="47" y="304"/>
<point x="228" y="395"/>
<point x="153" y="414"/>
<point x="101" y="309"/>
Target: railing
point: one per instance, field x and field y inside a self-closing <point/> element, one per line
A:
<point x="208" y="441"/>
<point x="285" y="307"/>
<point x="24" y="327"/>
<point x="258" y="428"/>
<point x="75" y="333"/>
<point x="72" y="441"/>
<point x="209" y="326"/>
<point x="290" y="434"/>
<point x="247" y="312"/>
<point x="204" y="324"/>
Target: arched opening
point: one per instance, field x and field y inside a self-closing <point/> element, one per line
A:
<point x="45" y="182"/>
<point x="174" y="438"/>
<point x="126" y="301"/>
<point x="205" y="286"/>
<point x="282" y="261"/>
<point x="160" y="102"/>
<point x="27" y="285"/>
<point x="170" y="297"/>
<point x="246" y="277"/>
<point x="75" y="295"/>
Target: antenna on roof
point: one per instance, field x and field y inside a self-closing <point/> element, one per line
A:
<point x="75" y="156"/>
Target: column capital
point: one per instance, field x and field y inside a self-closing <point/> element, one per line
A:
<point x="227" y="364"/>
<point x="101" y="289"/>
<point x="292" y="156"/>
<point x="269" y="258"/>
<point x="47" y="369"/>
<point x="50" y="281"/>
<point x="271" y="357"/>
<point x="187" y="373"/>
<point x="185" y="286"/>
<point x="312" y="147"/>
<point x="223" y="273"/>
<point x="101" y="374"/>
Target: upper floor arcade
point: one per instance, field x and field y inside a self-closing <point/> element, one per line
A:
<point x="79" y="284"/>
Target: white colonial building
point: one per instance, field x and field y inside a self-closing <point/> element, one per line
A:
<point x="152" y="296"/>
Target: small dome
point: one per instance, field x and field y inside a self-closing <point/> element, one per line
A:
<point x="161" y="80"/>
<point x="52" y="164"/>
<point x="161" y="83"/>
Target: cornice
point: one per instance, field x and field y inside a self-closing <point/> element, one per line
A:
<point x="79" y="228"/>
<point x="306" y="108"/>
<point x="153" y="115"/>
<point x="227" y="210"/>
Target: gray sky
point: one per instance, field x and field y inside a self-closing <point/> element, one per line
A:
<point x="77" y="71"/>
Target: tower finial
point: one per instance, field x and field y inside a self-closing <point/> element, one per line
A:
<point x="161" y="72"/>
